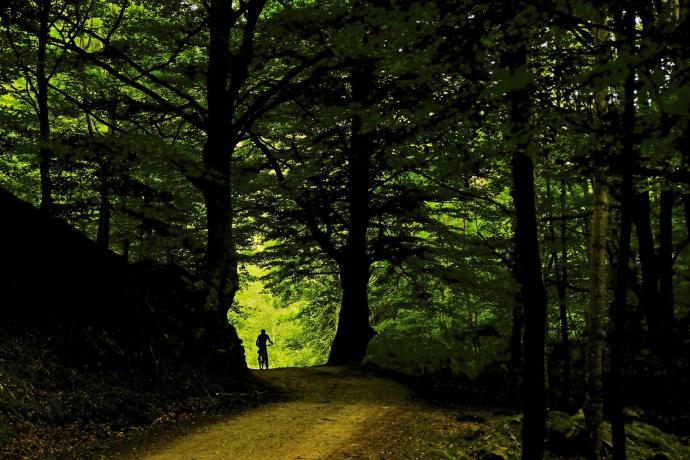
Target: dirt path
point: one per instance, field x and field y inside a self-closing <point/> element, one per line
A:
<point x="335" y="414"/>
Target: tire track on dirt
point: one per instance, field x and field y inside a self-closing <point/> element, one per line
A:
<point x="330" y="412"/>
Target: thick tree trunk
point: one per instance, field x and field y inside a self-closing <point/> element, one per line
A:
<point x="534" y="297"/>
<point x="354" y="332"/>
<point x="529" y="258"/>
<point x="45" y="152"/>
<point x="216" y="186"/>
<point x="221" y="256"/>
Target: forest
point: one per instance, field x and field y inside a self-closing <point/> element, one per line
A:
<point x="491" y="197"/>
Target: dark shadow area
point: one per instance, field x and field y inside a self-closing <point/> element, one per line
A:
<point x="89" y="342"/>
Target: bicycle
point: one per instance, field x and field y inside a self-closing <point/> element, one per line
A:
<point x="263" y="357"/>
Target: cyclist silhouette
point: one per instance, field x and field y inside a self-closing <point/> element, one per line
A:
<point x="263" y="352"/>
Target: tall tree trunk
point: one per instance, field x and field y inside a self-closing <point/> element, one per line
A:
<point x="618" y="321"/>
<point x="45" y="152"/>
<point x="619" y="310"/>
<point x="594" y="402"/>
<point x="648" y="265"/>
<point x="529" y="258"/>
<point x="354" y="332"/>
<point x="534" y="297"/>
<point x="594" y="333"/>
<point x="216" y="187"/>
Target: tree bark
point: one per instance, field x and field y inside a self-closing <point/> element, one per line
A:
<point x="594" y="333"/>
<point x="594" y="402"/>
<point x="216" y="186"/>
<point x="534" y="297"/>
<point x="354" y="331"/>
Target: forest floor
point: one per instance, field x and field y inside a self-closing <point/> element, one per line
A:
<point x="345" y="413"/>
<point x="339" y="413"/>
<point x="323" y="413"/>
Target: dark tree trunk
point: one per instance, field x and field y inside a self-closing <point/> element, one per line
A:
<point x="529" y="260"/>
<point x="618" y="322"/>
<point x="534" y="297"/>
<point x="221" y="257"/>
<point x="45" y="152"/>
<point x="354" y="332"/>
<point x="648" y="264"/>
<point x="216" y="186"/>
<point x="619" y="311"/>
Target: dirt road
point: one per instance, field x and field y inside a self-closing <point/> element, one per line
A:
<point x="333" y="413"/>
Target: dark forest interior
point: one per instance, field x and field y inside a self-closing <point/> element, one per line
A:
<point x="485" y="201"/>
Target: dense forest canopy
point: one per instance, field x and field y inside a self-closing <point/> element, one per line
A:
<point x="449" y="186"/>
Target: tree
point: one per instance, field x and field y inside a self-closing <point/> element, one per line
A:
<point x="27" y="30"/>
<point x="527" y="242"/>
<point x="594" y="406"/>
<point x="224" y="108"/>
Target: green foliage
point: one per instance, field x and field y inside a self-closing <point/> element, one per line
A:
<point x="284" y="323"/>
<point x="128" y="109"/>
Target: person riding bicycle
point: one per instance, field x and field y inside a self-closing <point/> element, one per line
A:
<point x="261" y="345"/>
